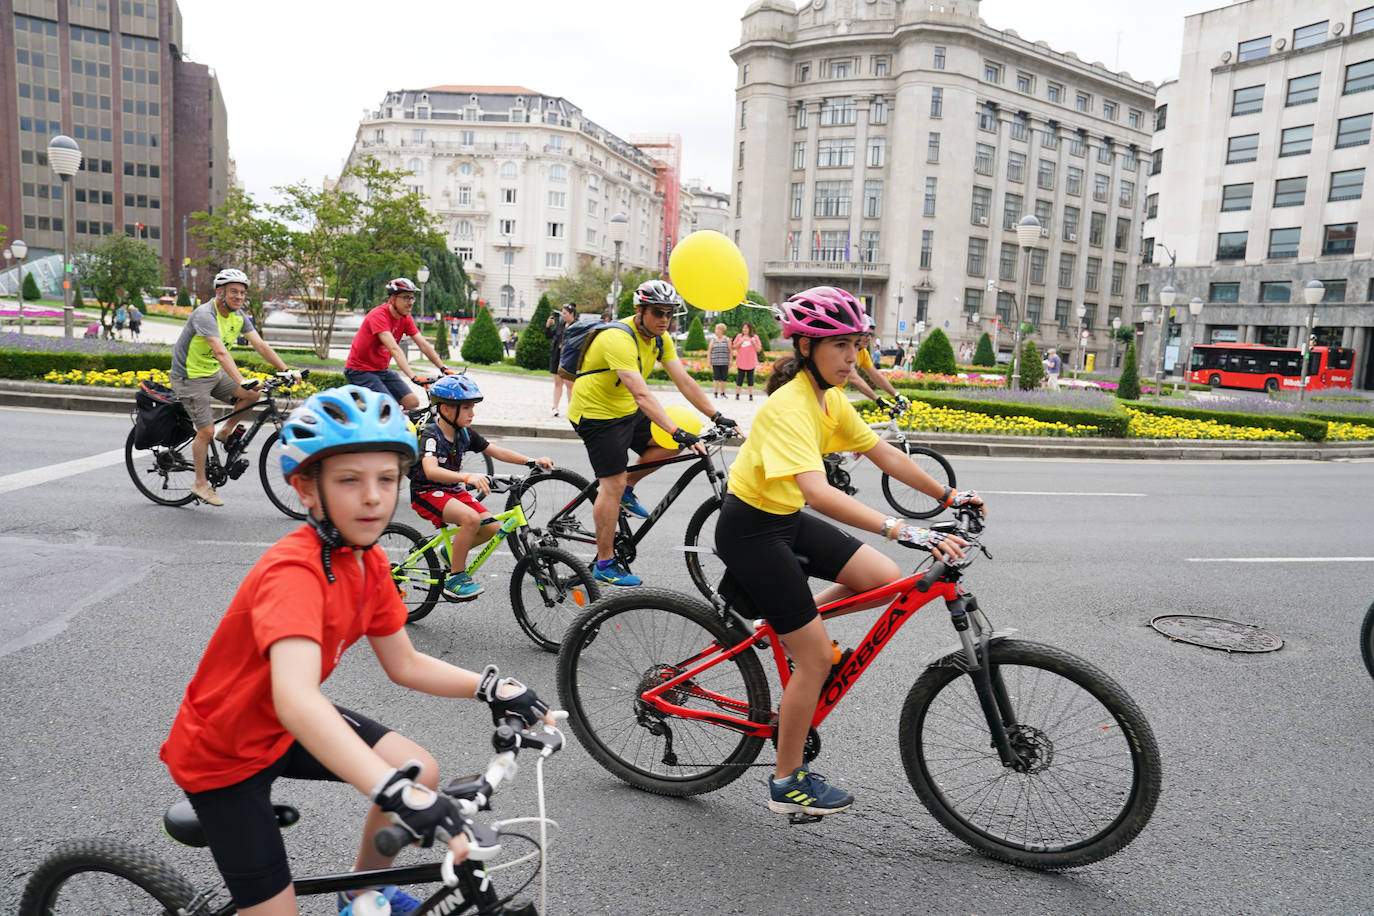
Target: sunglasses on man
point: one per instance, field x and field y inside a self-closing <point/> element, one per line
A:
<point x="664" y="313"/>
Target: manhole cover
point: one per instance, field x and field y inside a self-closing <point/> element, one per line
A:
<point x="1216" y="633"/>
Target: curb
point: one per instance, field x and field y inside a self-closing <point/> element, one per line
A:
<point x="45" y="395"/>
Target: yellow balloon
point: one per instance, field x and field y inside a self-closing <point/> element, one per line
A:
<point x="685" y="417"/>
<point x="709" y="271"/>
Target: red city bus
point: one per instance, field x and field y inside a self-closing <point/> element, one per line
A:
<point x="1238" y="365"/>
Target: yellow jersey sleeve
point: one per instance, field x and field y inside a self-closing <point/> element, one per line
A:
<point x="865" y="359"/>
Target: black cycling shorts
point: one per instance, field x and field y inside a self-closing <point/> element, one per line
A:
<point x="242" y="828"/>
<point x="610" y="441"/>
<point x="720" y="373"/>
<point x="760" y="551"/>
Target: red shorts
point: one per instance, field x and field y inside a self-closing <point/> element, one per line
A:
<point x="430" y="504"/>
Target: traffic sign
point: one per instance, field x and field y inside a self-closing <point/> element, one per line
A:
<point x="1084" y="335"/>
<point x="901" y="325"/>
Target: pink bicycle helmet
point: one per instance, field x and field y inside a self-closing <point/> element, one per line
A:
<point x="823" y="311"/>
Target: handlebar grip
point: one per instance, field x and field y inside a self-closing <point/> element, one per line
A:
<point x="931" y="576"/>
<point x="391" y="840"/>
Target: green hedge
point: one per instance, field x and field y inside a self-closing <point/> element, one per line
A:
<point x="23" y="364"/>
<point x="1362" y="418"/>
<point x="1313" y="430"/>
<point x="1111" y="424"/>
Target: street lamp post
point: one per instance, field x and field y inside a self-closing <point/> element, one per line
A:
<point x="423" y="276"/>
<point x="509" y="292"/>
<point x="1167" y="297"/>
<point x="1194" y="309"/>
<point x="1082" y="311"/>
<point x="21" y="251"/>
<point x="8" y="256"/>
<point x="65" y="158"/>
<point x="620" y="226"/>
<point x="1027" y="231"/>
<point x="194" y="295"/>
<point x="1116" y="326"/>
<point x="1312" y="293"/>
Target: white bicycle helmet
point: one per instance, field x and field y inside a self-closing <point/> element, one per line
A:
<point x="230" y="275"/>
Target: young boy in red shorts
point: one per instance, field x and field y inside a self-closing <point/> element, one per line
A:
<point x="437" y="487"/>
<point x="254" y="710"/>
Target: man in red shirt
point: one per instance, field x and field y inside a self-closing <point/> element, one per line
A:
<point x="375" y="346"/>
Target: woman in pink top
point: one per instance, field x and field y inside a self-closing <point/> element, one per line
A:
<point x="747" y="348"/>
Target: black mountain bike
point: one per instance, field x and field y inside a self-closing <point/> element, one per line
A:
<point x="165" y="474"/>
<point x="907" y="501"/>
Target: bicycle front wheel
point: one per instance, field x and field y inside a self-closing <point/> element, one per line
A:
<point x="634" y="640"/>
<point x="1092" y="770"/>
<point x="414" y="570"/>
<point x="547" y="590"/>
<point x="699" y="547"/>
<point x="1367" y="640"/>
<point x="103" y="876"/>
<point x="910" y="502"/>
<point x="278" y="489"/>
<point x="164" y="475"/>
<point x="541" y="496"/>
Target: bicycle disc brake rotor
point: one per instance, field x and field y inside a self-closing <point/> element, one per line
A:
<point x="1034" y="746"/>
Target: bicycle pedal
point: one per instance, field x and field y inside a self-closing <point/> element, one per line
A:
<point x="796" y="819"/>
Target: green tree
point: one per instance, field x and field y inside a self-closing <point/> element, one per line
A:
<point x="983" y="354"/>
<point x="533" y="348"/>
<point x="759" y="314"/>
<point x="448" y="284"/>
<point x="239" y="235"/>
<point x="588" y="285"/>
<point x="115" y="268"/>
<point x="31" y="291"/>
<point x="77" y="302"/>
<point x="184" y="299"/>
<point x="1032" y="369"/>
<point x="483" y="344"/>
<point x="935" y="354"/>
<point x="696" y="337"/>
<point x="1128" y="388"/>
<point x="441" y="340"/>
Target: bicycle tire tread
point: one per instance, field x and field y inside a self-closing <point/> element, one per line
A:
<point x="164" y="883"/>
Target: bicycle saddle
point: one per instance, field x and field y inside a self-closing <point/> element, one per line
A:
<point x="181" y="823"/>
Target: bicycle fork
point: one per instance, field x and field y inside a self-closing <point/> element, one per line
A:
<point x="987" y="683"/>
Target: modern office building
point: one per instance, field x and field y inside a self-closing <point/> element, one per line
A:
<point x="151" y="125"/>
<point x="1257" y="178"/>
<point x="893" y="147"/>
<point x="524" y="184"/>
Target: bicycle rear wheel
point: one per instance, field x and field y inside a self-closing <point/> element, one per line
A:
<point x="1093" y="771"/>
<point x="278" y="489"/>
<point x="414" y="569"/>
<point x="633" y="640"/>
<point x="699" y="547"/>
<point x="164" y="475"/>
<point x="547" y="590"/>
<point x="913" y="503"/>
<point x="103" y="876"/>
<point x="541" y="496"/>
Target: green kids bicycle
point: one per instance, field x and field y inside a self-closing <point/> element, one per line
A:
<point x="548" y="588"/>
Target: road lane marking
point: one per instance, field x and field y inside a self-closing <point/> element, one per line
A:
<point x="1054" y="493"/>
<point x="1280" y="559"/>
<point x="36" y="476"/>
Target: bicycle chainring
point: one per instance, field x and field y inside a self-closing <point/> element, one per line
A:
<point x="1033" y="746"/>
<point x="810" y="750"/>
<point x="237" y="468"/>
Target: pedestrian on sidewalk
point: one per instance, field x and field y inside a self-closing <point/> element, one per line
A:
<point x="747" y="349"/>
<point x="505" y="336"/>
<point x="554" y="329"/>
<point x="135" y="318"/>
<point x="120" y="316"/>
<point x="719" y="351"/>
<point x="1053" y="367"/>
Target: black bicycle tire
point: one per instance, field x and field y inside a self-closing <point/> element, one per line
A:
<point x="691" y="544"/>
<point x="1139" y="738"/>
<point x="137" y="475"/>
<point x="585" y="633"/>
<point x="266" y="462"/>
<point x="433" y="573"/>
<point x="909" y="510"/>
<point x="1367" y="640"/>
<point x="516" y="495"/>
<point x="527" y="565"/>
<point x="149" y="873"/>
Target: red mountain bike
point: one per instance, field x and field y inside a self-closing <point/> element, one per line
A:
<point x="1025" y="752"/>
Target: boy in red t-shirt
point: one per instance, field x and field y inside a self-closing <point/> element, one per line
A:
<point x="254" y="710"/>
<point x="377" y="343"/>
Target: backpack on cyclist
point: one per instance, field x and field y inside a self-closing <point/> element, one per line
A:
<point x="159" y="419"/>
<point x="577" y="339"/>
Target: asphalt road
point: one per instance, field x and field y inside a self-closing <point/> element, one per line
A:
<point x="109" y="599"/>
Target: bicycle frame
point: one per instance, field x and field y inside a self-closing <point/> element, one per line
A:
<point x="509" y="521"/>
<point x="473" y="884"/>
<point x="270" y="413"/>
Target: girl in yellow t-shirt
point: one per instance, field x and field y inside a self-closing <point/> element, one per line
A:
<point x="762" y="529"/>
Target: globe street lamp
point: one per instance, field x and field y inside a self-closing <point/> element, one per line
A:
<point x="1167" y="297"/>
<point x="1312" y="293"/>
<point x="423" y="276"/>
<point x="1027" y="232"/>
<point x="620" y="227"/>
<point x="65" y="158"/>
<point x="1194" y="309"/>
<point x="21" y="251"/>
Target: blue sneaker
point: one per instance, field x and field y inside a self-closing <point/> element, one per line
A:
<point x="632" y="506"/>
<point x="614" y="574"/>
<point x="460" y="587"/>
<point x="806" y="793"/>
<point x="401" y="902"/>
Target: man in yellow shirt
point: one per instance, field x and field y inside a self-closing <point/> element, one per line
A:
<point x="611" y="410"/>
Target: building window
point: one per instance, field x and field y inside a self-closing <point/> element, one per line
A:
<point x="1352" y="131"/>
<point x="973" y="302"/>
<point x="1283" y="243"/>
<point x="1100" y="183"/>
<point x="797" y="189"/>
<point x="880" y="66"/>
<point x="1126" y="194"/>
<point x="940" y="57"/>
<point x="1156" y="161"/>
<point x="937" y="102"/>
<point x="1237" y="196"/>
<point x="554" y="230"/>
<point x="1035" y="307"/>
<point x="1016" y="166"/>
<point x="507" y="226"/>
<point x="1280" y="291"/>
<point x="1104" y="151"/>
<point x="1297" y="141"/>
<point x="1025" y="83"/>
<point x="1118" y="278"/>
<point x="987" y="117"/>
<point x="508" y="195"/>
<point x="1020" y="126"/>
<point x="1231" y="246"/>
<point x="743" y="114"/>
<point x="868" y="246"/>
<point x="835" y="153"/>
<point x="1302" y="90"/>
<point x="741" y="154"/>
<point x="1043" y="210"/>
<point x="803" y="72"/>
<point x="509" y="170"/>
<point x="983" y="155"/>
<point x="465" y="195"/>
<point x="977" y="257"/>
<point x="1006" y="302"/>
<point x="1363" y="21"/>
<point x="1097" y="229"/>
<point x="1310" y="35"/>
<point x="841" y="69"/>
<point x="1147" y="253"/>
<point x="1078" y="143"/>
<point x="1347" y="185"/>
<point x="1244" y="148"/>
<point x="1066" y="270"/>
<point x="1109" y="110"/>
<point x="929" y="207"/>
<point x="933" y="148"/>
<point x="553" y="259"/>
<point x="877" y="110"/>
<point x="992" y="73"/>
<point x="927" y="248"/>
<point x="558" y="173"/>
<point x="1044" y="176"/>
<point x="1339" y="238"/>
<point x="1334" y="290"/>
<point x="799" y="154"/>
<point x="1083" y="102"/>
<point x="801" y="115"/>
<point x="1133" y="118"/>
<point x="1070" y="233"/>
<point x="1054" y="92"/>
<point x="873" y="199"/>
<point x="1122" y="239"/>
<point x="1254" y="48"/>
<point x="832" y="198"/>
<point x="834" y="246"/>
<point x="981" y="202"/>
<point x="1290" y="192"/>
<point x="839" y="111"/>
<point x="1011" y="210"/>
<point x="1223" y="292"/>
<point x="1359" y="77"/>
<point x="744" y="75"/>
<point x="1061" y="314"/>
<point x="1247" y="101"/>
<point x="1073" y="181"/>
<point x="877" y="150"/>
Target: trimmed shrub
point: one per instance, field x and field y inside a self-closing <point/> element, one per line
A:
<point x="935" y="354"/>
<point x="31" y="291"/>
<point x="532" y="349"/>
<point x="1312" y="430"/>
<point x="1128" y="388"/>
<point x="696" y="337"/>
<point x="483" y="344"/>
<point x="983" y="354"/>
<point x="1113" y="424"/>
<point x="184" y="298"/>
<point x="441" y="339"/>
<point x="1032" y="370"/>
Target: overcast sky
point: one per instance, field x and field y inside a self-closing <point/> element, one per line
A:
<point x="297" y="77"/>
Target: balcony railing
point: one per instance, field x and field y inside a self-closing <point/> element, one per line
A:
<point x="874" y="270"/>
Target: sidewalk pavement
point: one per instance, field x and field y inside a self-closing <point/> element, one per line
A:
<point x="521" y="406"/>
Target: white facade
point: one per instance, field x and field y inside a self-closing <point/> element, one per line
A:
<point x="915" y="136"/>
<point x="708" y="209"/>
<point x="523" y="184"/>
<point x="1262" y="145"/>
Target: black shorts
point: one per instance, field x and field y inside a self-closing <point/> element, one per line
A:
<point x="383" y="382"/>
<point x="760" y="551"/>
<point x="744" y="377"/>
<point x="609" y="441"/>
<point x="242" y="828"/>
<point x="720" y="373"/>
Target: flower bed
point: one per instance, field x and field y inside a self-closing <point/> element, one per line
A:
<point x="1163" y="426"/>
<point x="113" y="378"/>
<point x="929" y="418"/>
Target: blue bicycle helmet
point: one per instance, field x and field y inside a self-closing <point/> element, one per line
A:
<point x="455" y="389"/>
<point x="346" y="419"/>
